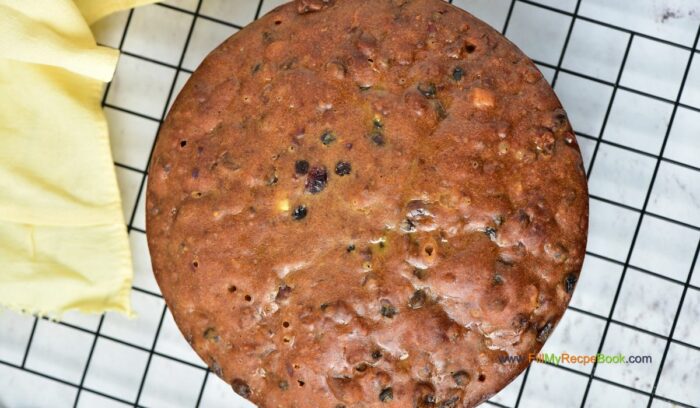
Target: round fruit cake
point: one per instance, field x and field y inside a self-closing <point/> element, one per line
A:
<point x="366" y="204"/>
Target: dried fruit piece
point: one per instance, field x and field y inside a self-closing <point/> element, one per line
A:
<point x="418" y="209"/>
<point x="560" y="120"/>
<point x="299" y="212"/>
<point x="272" y="178"/>
<point x="316" y="179"/>
<point x="450" y="403"/>
<point x="557" y="252"/>
<point x="545" y="142"/>
<point x="387" y="309"/>
<point x="408" y="226"/>
<point x="337" y="69"/>
<point x="497" y="279"/>
<point x="283" y="205"/>
<point x="429" y="90"/>
<point x="386" y="395"/>
<point x="226" y="160"/>
<point x="429" y="400"/>
<point x="570" y="282"/>
<point x="483" y="98"/>
<point x="328" y="137"/>
<point x="544" y="332"/>
<point x="420" y="273"/>
<point x="310" y="6"/>
<point x="439" y="109"/>
<point x="458" y="74"/>
<point x="377" y="137"/>
<point x="301" y="167"/>
<point x="461" y="378"/>
<point x="211" y="335"/>
<point x="424" y="396"/>
<point x="381" y="242"/>
<point x="216" y="368"/>
<point x="490" y="232"/>
<point x="240" y="387"/>
<point x="283" y="292"/>
<point x="343" y="168"/>
<point x="417" y="300"/>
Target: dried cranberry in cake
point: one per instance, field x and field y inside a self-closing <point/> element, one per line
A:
<point x="316" y="179"/>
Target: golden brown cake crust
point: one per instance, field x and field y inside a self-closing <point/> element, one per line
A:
<point x="365" y="204"/>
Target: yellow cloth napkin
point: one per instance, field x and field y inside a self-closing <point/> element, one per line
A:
<point x="63" y="242"/>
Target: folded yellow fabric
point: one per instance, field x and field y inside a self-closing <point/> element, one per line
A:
<point x="63" y="242"/>
<point x="94" y="10"/>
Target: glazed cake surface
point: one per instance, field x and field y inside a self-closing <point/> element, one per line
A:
<point x="366" y="204"/>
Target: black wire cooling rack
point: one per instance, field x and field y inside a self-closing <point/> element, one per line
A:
<point x="597" y="140"/>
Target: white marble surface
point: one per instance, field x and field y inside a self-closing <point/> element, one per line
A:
<point x="632" y="128"/>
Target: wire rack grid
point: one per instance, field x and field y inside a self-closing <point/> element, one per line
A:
<point x="159" y="370"/>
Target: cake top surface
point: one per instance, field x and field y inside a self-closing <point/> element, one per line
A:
<point x="358" y="204"/>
